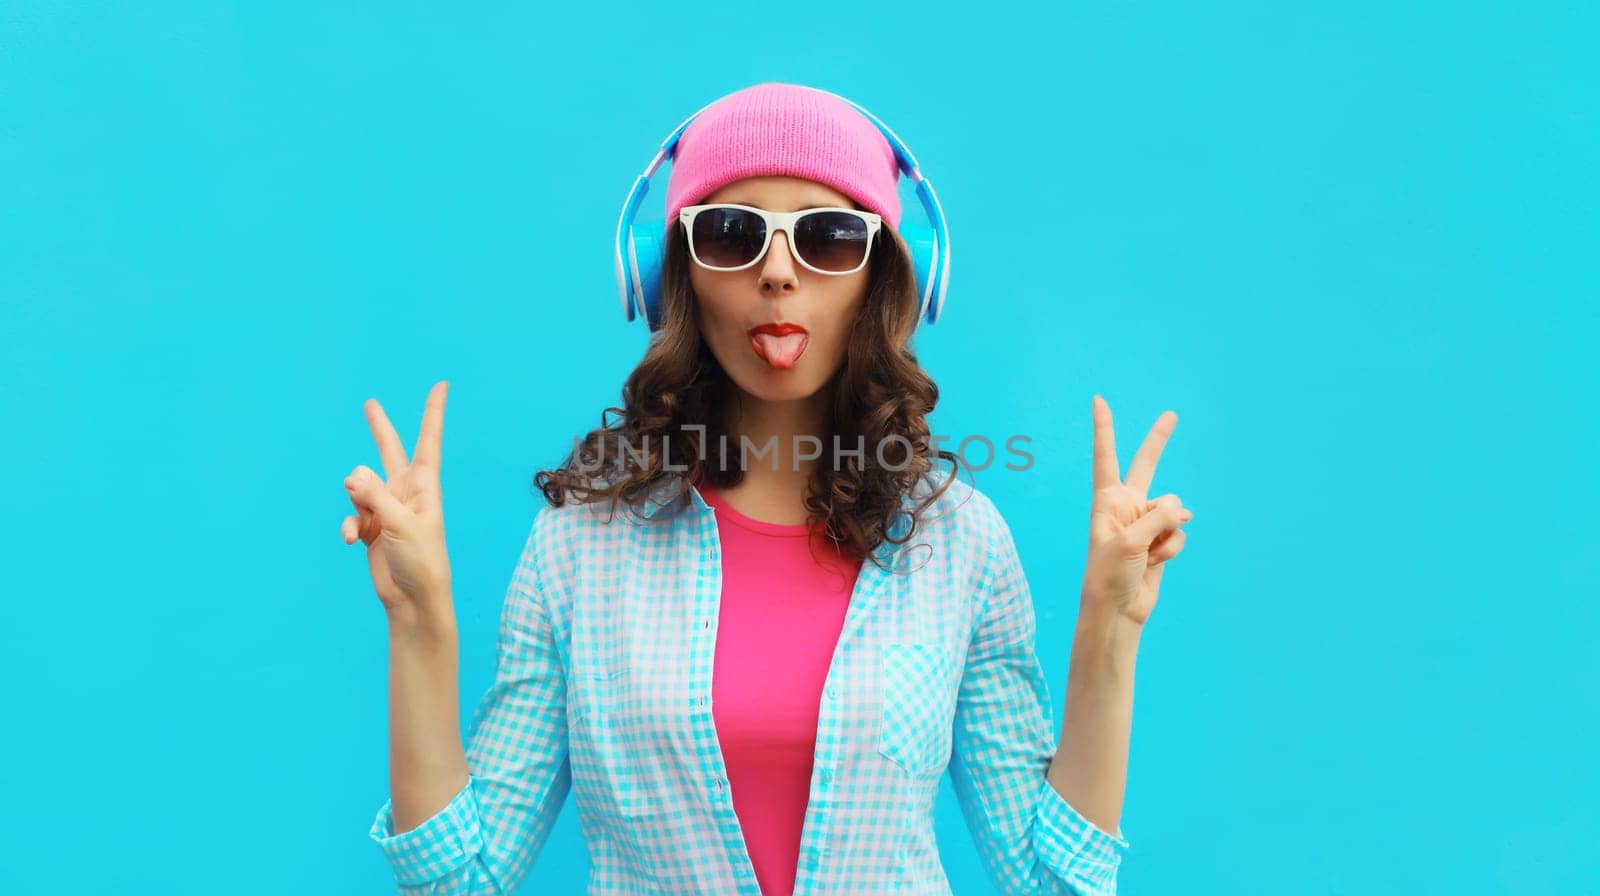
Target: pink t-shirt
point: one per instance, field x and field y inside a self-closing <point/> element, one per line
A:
<point x="780" y="619"/>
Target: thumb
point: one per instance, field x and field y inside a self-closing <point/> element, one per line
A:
<point x="370" y="492"/>
<point x="1164" y="513"/>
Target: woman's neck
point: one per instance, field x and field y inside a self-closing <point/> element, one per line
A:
<point x="783" y="442"/>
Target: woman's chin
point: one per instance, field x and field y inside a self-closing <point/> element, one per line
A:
<point x="770" y="384"/>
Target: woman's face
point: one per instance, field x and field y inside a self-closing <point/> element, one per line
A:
<point x="777" y="289"/>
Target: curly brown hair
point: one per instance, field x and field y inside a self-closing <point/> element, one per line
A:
<point x="879" y="393"/>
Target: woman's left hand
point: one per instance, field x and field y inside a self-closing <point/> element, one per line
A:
<point x="1130" y="538"/>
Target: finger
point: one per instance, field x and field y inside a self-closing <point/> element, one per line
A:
<point x="1167" y="546"/>
<point x="425" y="485"/>
<point x="390" y="449"/>
<point x="1168" y="513"/>
<point x="1168" y="499"/>
<point x="432" y="434"/>
<point x="359" y="528"/>
<point x="371" y="493"/>
<point x="1152" y="576"/>
<point x="368" y="528"/>
<point x="364" y="515"/>
<point x="1143" y="468"/>
<point x="1106" y="472"/>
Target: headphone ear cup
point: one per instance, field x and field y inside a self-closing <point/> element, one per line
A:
<point x="924" y="254"/>
<point x="645" y="254"/>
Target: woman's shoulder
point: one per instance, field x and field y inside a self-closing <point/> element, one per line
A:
<point x="566" y="545"/>
<point x="573" y="524"/>
<point x="961" y="509"/>
<point x="599" y="528"/>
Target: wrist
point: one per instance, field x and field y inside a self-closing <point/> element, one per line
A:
<point x="415" y="625"/>
<point x="1105" y="638"/>
<point x="1105" y="612"/>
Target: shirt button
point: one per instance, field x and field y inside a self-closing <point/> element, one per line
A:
<point x="833" y="693"/>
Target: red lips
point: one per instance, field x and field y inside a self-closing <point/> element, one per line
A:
<point x="778" y="329"/>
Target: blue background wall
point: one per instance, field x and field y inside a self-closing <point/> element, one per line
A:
<point x="1353" y="249"/>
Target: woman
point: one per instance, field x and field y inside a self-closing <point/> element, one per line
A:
<point x="754" y="622"/>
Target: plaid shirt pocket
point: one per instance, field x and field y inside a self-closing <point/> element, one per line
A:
<point x="915" y="733"/>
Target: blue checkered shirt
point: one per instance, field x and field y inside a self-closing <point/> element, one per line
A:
<point x="603" y="689"/>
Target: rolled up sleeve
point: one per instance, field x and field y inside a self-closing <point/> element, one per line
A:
<point x="434" y="849"/>
<point x="1074" y="848"/>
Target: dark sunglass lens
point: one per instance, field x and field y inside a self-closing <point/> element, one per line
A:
<point x="832" y="241"/>
<point x="728" y="237"/>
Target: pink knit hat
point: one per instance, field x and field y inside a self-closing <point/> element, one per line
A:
<point x="784" y="129"/>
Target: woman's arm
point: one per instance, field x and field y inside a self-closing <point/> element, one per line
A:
<point x="482" y="836"/>
<point x="427" y="763"/>
<point x="1131" y="538"/>
<point x="1090" y="768"/>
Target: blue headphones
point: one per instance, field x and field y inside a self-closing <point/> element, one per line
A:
<point x="641" y="247"/>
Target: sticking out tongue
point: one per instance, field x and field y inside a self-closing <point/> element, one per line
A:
<point x="779" y="351"/>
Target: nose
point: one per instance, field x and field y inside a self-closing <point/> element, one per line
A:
<point x="778" y="267"/>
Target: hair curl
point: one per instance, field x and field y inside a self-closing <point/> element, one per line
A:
<point x="878" y="393"/>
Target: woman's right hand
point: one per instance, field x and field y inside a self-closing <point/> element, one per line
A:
<point x="401" y="521"/>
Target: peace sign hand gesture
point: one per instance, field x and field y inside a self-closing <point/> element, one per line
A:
<point x="1130" y="538"/>
<point x="402" y="520"/>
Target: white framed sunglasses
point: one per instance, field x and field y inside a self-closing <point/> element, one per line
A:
<point x="727" y="237"/>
